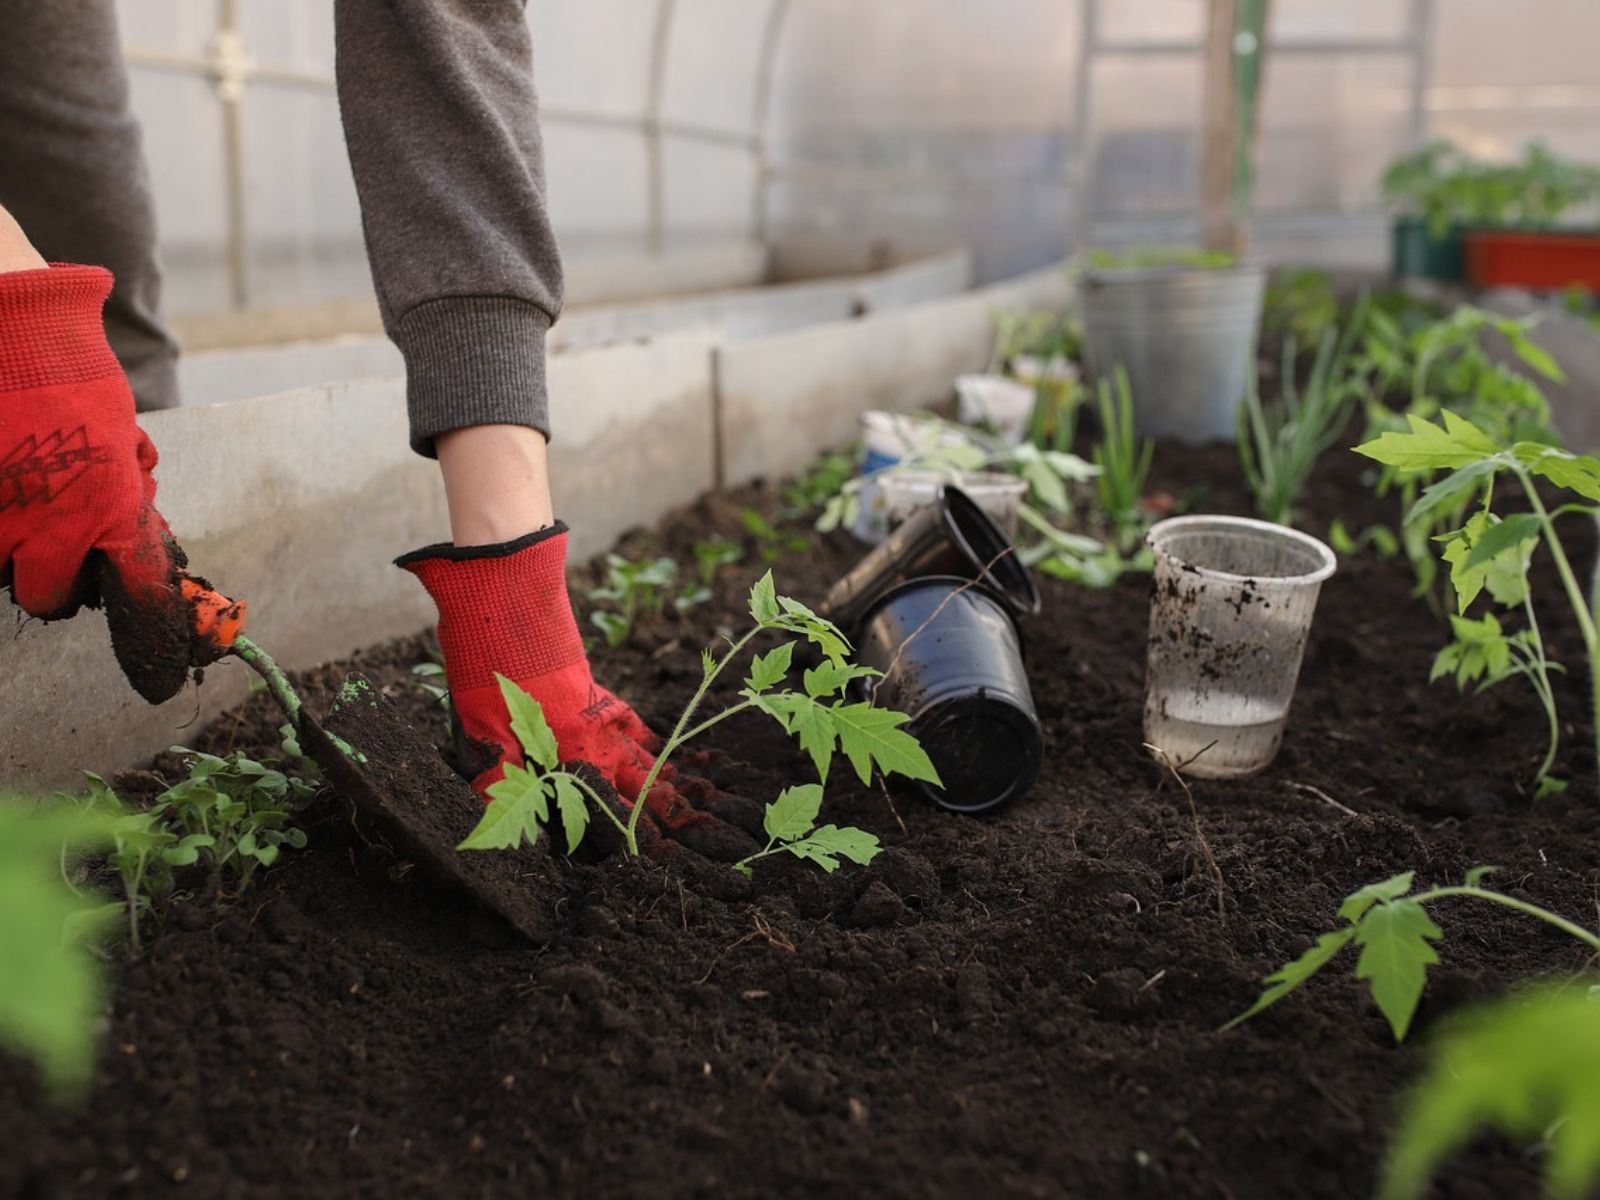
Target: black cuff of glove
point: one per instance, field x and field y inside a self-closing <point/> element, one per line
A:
<point x="454" y="553"/>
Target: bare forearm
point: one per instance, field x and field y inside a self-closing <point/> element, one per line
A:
<point x="16" y="251"/>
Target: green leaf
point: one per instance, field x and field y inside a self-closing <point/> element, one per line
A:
<point x="824" y="634"/>
<point x="517" y="805"/>
<point x="51" y="987"/>
<point x="615" y="626"/>
<point x="1046" y="485"/>
<point x="529" y="725"/>
<point x="813" y="725"/>
<point x="829" y="843"/>
<point x="764" y="601"/>
<point x="769" y="669"/>
<point x="1429" y="447"/>
<point x="1504" y="574"/>
<point x="1577" y="472"/>
<point x="1356" y="903"/>
<point x="1394" y="937"/>
<point x="1549" y="785"/>
<point x="1476" y="875"/>
<point x="871" y="737"/>
<point x="1506" y="535"/>
<point x="1529" y="1068"/>
<point x="187" y="851"/>
<point x="792" y="815"/>
<point x="572" y="807"/>
<point x="1535" y="355"/>
<point x="1291" y="975"/>
<point x="831" y="678"/>
<point x="1452" y="488"/>
<point x="88" y="925"/>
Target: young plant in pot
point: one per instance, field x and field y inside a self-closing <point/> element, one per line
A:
<point x="1183" y="325"/>
<point x="1492" y="223"/>
<point x="1530" y="246"/>
<point x="1433" y="194"/>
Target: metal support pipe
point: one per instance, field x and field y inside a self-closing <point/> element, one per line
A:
<point x="655" y="157"/>
<point x="1421" y="68"/>
<point x="761" y="117"/>
<point x="1082" y="224"/>
<point x="229" y="70"/>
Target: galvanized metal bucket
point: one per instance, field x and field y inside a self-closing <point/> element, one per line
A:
<point x="1186" y="337"/>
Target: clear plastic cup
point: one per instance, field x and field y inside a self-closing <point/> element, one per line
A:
<point x="904" y="492"/>
<point x="1230" y="612"/>
<point x="995" y="403"/>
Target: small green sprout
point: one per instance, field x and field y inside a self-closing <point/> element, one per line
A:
<point x="637" y="588"/>
<point x="772" y="542"/>
<point x="228" y="816"/>
<point x="712" y="555"/>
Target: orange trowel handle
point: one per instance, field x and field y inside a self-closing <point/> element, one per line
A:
<point x="215" y="619"/>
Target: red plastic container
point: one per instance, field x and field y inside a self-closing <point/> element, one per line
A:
<point x="1533" y="258"/>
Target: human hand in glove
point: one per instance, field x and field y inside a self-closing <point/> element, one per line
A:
<point x="78" y="523"/>
<point x="504" y="610"/>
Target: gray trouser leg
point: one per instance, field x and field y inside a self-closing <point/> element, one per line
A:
<point x="73" y="174"/>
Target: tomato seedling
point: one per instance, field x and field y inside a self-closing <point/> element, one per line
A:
<point x="1391" y="926"/>
<point x="1445" y="366"/>
<point x="1527" y="1066"/>
<point x="1493" y="553"/>
<point x="820" y="717"/>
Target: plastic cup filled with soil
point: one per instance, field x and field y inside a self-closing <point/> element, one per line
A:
<point x="1230" y="612"/>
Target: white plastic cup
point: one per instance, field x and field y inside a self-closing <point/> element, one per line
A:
<point x="1032" y="370"/>
<point x="997" y="403"/>
<point x="1230" y="612"/>
<point x="889" y="438"/>
<point x="904" y="492"/>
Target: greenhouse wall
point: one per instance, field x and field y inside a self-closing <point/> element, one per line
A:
<point x="1021" y="128"/>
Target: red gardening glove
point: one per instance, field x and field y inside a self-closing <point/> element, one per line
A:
<point x="77" y="520"/>
<point x="504" y="610"/>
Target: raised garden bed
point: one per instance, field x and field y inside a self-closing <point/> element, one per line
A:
<point x="1023" y="1004"/>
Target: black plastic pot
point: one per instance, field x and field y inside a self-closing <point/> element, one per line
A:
<point x="951" y="536"/>
<point x="951" y="660"/>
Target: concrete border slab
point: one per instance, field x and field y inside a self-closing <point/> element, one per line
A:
<point x="784" y="399"/>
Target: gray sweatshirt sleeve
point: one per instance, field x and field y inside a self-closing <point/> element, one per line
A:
<point x="442" y="127"/>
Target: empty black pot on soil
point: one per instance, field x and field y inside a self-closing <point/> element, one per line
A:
<point x="951" y="536"/>
<point x="952" y="660"/>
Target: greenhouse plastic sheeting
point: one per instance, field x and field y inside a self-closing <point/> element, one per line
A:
<point x="1015" y="126"/>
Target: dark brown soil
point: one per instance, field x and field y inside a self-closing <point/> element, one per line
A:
<point x="1020" y="1005"/>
